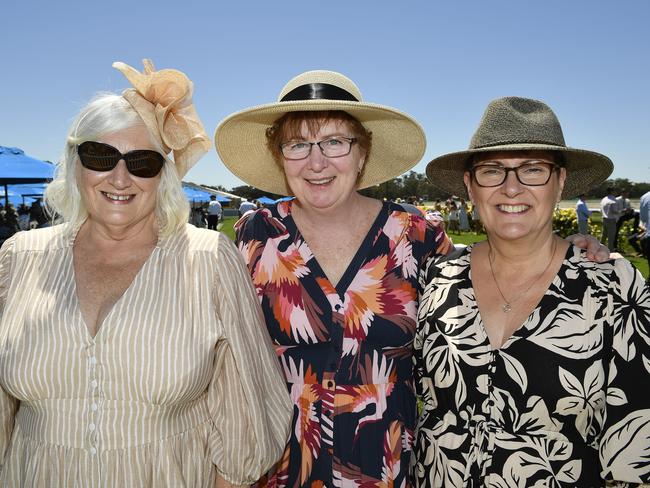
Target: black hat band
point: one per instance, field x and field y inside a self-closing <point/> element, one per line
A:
<point x="318" y="91"/>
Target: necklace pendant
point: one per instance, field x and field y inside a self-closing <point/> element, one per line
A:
<point x="506" y="307"/>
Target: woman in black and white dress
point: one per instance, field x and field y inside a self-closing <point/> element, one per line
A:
<point x="532" y="362"/>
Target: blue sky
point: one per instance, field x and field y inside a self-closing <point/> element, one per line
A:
<point x="441" y="62"/>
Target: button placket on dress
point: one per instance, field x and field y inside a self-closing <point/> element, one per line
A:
<point x="93" y="400"/>
<point x="492" y="427"/>
<point x="328" y="382"/>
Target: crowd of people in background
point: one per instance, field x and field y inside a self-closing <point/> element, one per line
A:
<point x="455" y="214"/>
<point x="25" y="217"/>
<point x="209" y="215"/>
<point x="616" y="209"/>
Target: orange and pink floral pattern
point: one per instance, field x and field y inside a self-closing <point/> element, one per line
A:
<point x="346" y="349"/>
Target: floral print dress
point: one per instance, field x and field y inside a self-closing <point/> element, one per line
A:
<point x="345" y="349"/>
<point x="564" y="402"/>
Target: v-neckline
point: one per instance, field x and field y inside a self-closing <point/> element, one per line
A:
<point x="116" y="305"/>
<point x="357" y="260"/>
<point x="517" y="332"/>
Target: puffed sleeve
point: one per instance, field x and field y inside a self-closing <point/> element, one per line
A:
<point x="625" y="443"/>
<point x="248" y="397"/>
<point x="8" y="404"/>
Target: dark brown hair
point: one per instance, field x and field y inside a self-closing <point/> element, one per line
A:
<point x="290" y="124"/>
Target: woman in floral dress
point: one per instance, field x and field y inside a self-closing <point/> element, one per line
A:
<point x="336" y="273"/>
<point x="532" y="362"/>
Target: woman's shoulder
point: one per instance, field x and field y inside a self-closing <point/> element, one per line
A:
<point x="44" y="239"/>
<point x="263" y="223"/>
<point x="190" y="242"/>
<point x="192" y="238"/>
<point x="615" y="270"/>
<point x="450" y="268"/>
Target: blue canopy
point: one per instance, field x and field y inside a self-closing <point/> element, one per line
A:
<point x="195" y="194"/>
<point x="26" y="194"/>
<point x="16" y="167"/>
<point x="265" y="200"/>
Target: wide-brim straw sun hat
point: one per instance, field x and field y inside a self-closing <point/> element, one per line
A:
<point x="398" y="141"/>
<point x="521" y="124"/>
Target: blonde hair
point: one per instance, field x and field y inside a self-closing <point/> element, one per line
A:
<point x="104" y="114"/>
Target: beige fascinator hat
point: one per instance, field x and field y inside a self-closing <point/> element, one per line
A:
<point x="521" y="124"/>
<point x="163" y="99"/>
<point x="398" y="141"/>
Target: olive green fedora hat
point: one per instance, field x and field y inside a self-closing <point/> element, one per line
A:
<point x="521" y="124"/>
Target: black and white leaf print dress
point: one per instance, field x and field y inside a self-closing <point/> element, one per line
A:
<point x="565" y="402"/>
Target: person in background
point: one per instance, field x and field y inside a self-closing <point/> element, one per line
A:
<point x="463" y="218"/>
<point x="609" y="211"/>
<point x="246" y="206"/>
<point x="336" y="273"/>
<point x="528" y="357"/>
<point x="23" y="217"/>
<point x="452" y="218"/>
<point x="37" y="216"/>
<point x="583" y="213"/>
<point x="134" y="352"/>
<point x="644" y="217"/>
<point x="625" y="212"/>
<point x="198" y="215"/>
<point x="214" y="212"/>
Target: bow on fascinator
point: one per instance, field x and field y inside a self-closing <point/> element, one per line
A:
<point x="164" y="101"/>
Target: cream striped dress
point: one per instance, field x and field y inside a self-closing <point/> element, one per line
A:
<point x="180" y="382"/>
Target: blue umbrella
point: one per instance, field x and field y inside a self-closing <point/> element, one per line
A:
<point x="16" y="167"/>
<point x="265" y="200"/>
<point x="284" y="199"/>
<point x="195" y="195"/>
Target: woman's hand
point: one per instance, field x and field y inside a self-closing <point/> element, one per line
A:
<point x="595" y="250"/>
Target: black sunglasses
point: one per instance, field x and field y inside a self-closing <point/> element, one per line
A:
<point x="97" y="156"/>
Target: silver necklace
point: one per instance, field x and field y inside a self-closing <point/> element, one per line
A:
<point x="507" y="305"/>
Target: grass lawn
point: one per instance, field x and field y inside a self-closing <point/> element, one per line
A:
<point x="226" y="226"/>
<point x="464" y="238"/>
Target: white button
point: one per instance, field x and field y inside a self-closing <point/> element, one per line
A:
<point x="93" y="360"/>
<point x="93" y="383"/>
<point x="93" y="407"/>
<point x="91" y="427"/>
<point x="93" y="451"/>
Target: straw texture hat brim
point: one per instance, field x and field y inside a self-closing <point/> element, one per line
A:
<point x="585" y="169"/>
<point x="398" y="142"/>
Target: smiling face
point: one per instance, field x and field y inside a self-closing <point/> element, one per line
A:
<point x="513" y="210"/>
<point x="321" y="182"/>
<point x="116" y="199"/>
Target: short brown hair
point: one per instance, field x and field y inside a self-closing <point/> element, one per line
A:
<point x="289" y="125"/>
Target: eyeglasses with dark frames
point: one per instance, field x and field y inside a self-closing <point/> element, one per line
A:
<point x="532" y="173"/>
<point x="332" y="147"/>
